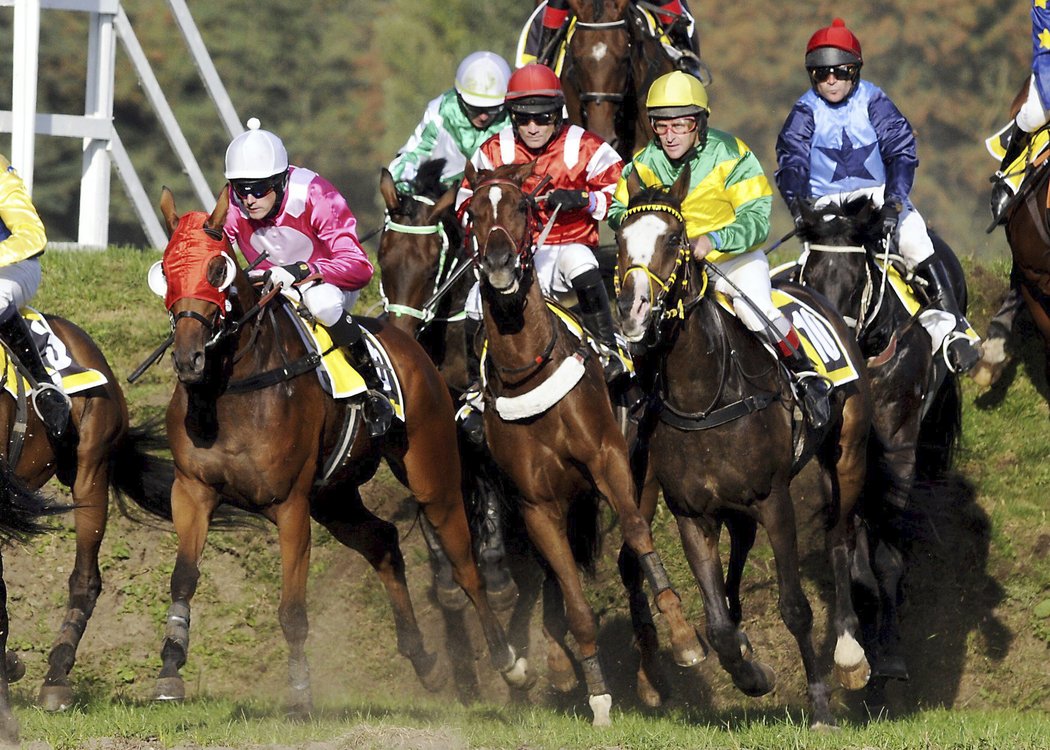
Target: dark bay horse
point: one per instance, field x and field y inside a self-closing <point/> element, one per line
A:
<point x="550" y="425"/>
<point x="104" y="454"/>
<point x="249" y="424"/>
<point x="720" y="442"/>
<point x="610" y="61"/>
<point x="917" y="403"/>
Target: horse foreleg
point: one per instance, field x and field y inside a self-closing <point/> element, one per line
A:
<point x="612" y="477"/>
<point x="560" y="671"/>
<point x="700" y="542"/>
<point x="778" y="518"/>
<point x="377" y="541"/>
<point x="293" y="533"/>
<point x="191" y="506"/>
<point x="91" y="505"/>
<point x="549" y="537"/>
<point x="645" y="637"/>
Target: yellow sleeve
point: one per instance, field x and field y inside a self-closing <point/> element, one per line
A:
<point x="27" y="237"/>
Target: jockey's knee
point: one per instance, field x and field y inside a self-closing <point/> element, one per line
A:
<point x="326" y="302"/>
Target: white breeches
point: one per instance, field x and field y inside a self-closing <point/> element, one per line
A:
<point x="19" y="282"/>
<point x="328" y="303"/>
<point x="914" y="241"/>
<point x="749" y="273"/>
<point x="1032" y="115"/>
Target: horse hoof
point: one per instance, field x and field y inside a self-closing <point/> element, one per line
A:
<point x="855" y="677"/>
<point x="170" y="689"/>
<point x="600" y="705"/>
<point x="519" y="676"/>
<point x="747" y="651"/>
<point x="563" y="680"/>
<point x="431" y="672"/>
<point x="501" y="590"/>
<point x="16" y="668"/>
<point x="451" y="599"/>
<point x="690" y="652"/>
<point x="763" y="680"/>
<point x="890" y="668"/>
<point x="647" y="693"/>
<point x="55" y="697"/>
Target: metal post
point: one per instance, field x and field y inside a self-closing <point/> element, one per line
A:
<point x="23" y="88"/>
<point x="98" y="102"/>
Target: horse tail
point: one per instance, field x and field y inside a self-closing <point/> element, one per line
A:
<point x="139" y="474"/>
<point x="940" y="432"/>
<point x="21" y="508"/>
<point x="583" y="531"/>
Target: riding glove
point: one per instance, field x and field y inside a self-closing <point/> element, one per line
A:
<point x="568" y="200"/>
<point x="891" y="212"/>
<point x="290" y="274"/>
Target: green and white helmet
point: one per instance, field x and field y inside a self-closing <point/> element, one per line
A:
<point x="481" y="79"/>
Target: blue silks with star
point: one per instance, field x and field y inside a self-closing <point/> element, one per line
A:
<point x="859" y="143"/>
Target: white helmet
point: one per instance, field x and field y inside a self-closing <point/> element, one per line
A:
<point x="255" y="154"/>
<point x="481" y="79"/>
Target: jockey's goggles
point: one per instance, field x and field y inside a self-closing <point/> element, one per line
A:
<point x="473" y="112"/>
<point x="678" y="127"/>
<point x="257" y="188"/>
<point x="540" y="118"/>
<point x="841" y="72"/>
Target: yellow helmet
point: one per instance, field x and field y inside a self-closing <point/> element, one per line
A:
<point x="676" y="94"/>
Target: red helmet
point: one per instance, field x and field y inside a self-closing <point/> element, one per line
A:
<point x="534" y="88"/>
<point x="833" y="45"/>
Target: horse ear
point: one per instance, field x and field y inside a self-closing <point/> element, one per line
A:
<point x="634" y="184"/>
<point x="523" y="172"/>
<point x="470" y="173"/>
<point x="217" y="219"/>
<point x="388" y="190"/>
<point x="167" y="210"/>
<point x="680" y="188"/>
<point x="443" y="203"/>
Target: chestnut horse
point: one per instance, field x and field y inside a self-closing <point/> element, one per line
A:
<point x="249" y="424"/>
<point x="550" y="426"/>
<point x="917" y="413"/>
<point x="101" y="454"/>
<point x="720" y="442"/>
<point x="611" y="60"/>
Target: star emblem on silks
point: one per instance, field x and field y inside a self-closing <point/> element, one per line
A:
<point x="1044" y="39"/>
<point x="849" y="161"/>
<point x="1040" y="4"/>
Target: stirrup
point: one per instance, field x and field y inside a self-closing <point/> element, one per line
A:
<point x="377" y="411"/>
<point x="57" y="408"/>
<point x="471" y="416"/>
<point x="815" y="395"/>
<point x="960" y="357"/>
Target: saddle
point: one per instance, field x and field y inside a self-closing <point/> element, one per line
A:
<point x="75" y="376"/>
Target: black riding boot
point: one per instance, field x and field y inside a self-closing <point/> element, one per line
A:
<point x="596" y="316"/>
<point x="471" y="415"/>
<point x="547" y="47"/>
<point x="378" y="412"/>
<point x="961" y="351"/>
<point x="50" y="402"/>
<point x="1016" y="141"/>
<point x="813" y="389"/>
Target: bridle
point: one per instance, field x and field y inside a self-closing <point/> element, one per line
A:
<point x="523" y="246"/>
<point x="427" y="313"/>
<point x="660" y="289"/>
<point x="602" y="96"/>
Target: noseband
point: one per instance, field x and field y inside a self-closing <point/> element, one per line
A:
<point x="426" y="314"/>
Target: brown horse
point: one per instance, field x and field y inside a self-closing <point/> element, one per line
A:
<point x="103" y="454"/>
<point x="249" y="424"/>
<point x="1028" y="233"/>
<point x="550" y="426"/>
<point x="611" y="60"/>
<point x="720" y="442"/>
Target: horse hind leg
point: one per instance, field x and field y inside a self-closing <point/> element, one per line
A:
<point x="646" y="643"/>
<point x="8" y="722"/>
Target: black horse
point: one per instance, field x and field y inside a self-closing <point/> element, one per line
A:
<point x="918" y="407"/>
<point x="721" y="433"/>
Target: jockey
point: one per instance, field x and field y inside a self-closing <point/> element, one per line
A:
<point x="457" y="122"/>
<point x="726" y="215"/>
<point x="1034" y="112"/>
<point x="22" y="241"/>
<point x="303" y="228"/>
<point x="548" y="27"/>
<point x="583" y="170"/>
<point x="845" y="137"/>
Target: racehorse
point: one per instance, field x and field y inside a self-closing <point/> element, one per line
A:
<point x="917" y="413"/>
<point x="550" y="425"/>
<point x="719" y="435"/>
<point x="1027" y="221"/>
<point x="247" y="428"/>
<point x="611" y="59"/>
<point x="101" y="453"/>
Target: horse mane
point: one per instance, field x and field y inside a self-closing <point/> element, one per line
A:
<point x="852" y="221"/>
<point x="660" y="194"/>
<point x="427" y="182"/>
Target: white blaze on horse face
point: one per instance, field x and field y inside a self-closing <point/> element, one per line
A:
<point x="495" y="196"/>
<point x="599" y="51"/>
<point x="640" y="238"/>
